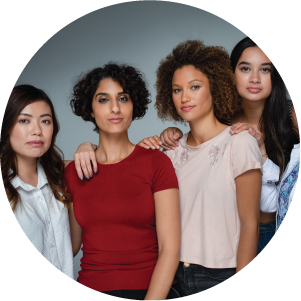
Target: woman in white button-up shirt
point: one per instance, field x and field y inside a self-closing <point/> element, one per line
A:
<point x="33" y="174"/>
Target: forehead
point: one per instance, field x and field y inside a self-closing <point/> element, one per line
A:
<point x="254" y="55"/>
<point x="188" y="73"/>
<point x="108" y="84"/>
<point x="37" y="108"/>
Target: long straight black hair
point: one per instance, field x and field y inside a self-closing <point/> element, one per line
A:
<point x="276" y="120"/>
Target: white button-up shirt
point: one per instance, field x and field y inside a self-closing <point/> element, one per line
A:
<point x="45" y="221"/>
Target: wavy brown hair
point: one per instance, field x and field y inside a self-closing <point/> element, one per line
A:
<point x="51" y="161"/>
<point x="214" y="62"/>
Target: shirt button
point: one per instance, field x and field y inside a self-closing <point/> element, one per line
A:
<point x="186" y="264"/>
<point x="270" y="182"/>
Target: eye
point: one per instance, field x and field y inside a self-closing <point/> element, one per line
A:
<point x="123" y="98"/>
<point x="103" y="100"/>
<point x="245" y="69"/>
<point x="46" y="121"/>
<point x="176" y="90"/>
<point x="195" y="87"/>
<point x="23" y="121"/>
<point x="266" y="70"/>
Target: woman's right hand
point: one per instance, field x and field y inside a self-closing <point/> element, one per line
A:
<point x="85" y="154"/>
<point x="169" y="138"/>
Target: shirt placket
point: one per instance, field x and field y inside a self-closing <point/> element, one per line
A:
<point x="51" y="244"/>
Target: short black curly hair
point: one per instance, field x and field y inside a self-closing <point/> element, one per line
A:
<point x="214" y="62"/>
<point x="130" y="79"/>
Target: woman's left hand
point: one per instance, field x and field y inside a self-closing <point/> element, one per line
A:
<point x="253" y="131"/>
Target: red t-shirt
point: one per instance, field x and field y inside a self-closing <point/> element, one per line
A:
<point x="116" y="211"/>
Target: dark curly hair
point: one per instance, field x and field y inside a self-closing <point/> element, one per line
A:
<point x="130" y="79"/>
<point x="214" y="62"/>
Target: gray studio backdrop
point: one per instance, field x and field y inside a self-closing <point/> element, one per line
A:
<point x="137" y="33"/>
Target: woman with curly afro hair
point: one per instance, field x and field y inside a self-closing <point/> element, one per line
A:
<point x="127" y="215"/>
<point x="219" y="174"/>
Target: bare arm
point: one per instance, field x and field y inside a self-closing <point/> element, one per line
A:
<point x="169" y="239"/>
<point x="248" y="189"/>
<point x="76" y="232"/>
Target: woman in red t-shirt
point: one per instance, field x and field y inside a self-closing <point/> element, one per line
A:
<point x="127" y="215"/>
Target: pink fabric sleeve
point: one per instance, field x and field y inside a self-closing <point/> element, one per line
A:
<point x="245" y="154"/>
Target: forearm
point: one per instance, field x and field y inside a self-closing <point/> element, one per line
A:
<point x="163" y="275"/>
<point x="248" y="244"/>
<point x="75" y="232"/>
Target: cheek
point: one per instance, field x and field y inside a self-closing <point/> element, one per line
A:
<point x="48" y="132"/>
<point x="17" y="137"/>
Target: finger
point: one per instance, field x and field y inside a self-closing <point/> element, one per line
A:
<point x="164" y="145"/>
<point x="77" y="166"/>
<point x="154" y="142"/>
<point x="256" y="135"/>
<point x="177" y="133"/>
<point x="88" y="164"/>
<point x="94" y="162"/>
<point x="168" y="138"/>
<point x="158" y="140"/>
<point x="148" y="142"/>
<point x="171" y="142"/>
<point x="83" y="166"/>
<point x="142" y="144"/>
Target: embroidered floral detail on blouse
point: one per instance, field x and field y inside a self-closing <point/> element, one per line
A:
<point x="215" y="149"/>
<point x="224" y="150"/>
<point x="179" y="159"/>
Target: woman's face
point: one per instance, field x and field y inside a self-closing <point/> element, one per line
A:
<point x="253" y="75"/>
<point x="31" y="135"/>
<point x="112" y="108"/>
<point x="191" y="93"/>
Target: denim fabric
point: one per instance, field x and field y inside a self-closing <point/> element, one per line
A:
<point x="267" y="231"/>
<point x="140" y="294"/>
<point x="196" y="278"/>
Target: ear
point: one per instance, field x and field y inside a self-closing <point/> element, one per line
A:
<point x="92" y="115"/>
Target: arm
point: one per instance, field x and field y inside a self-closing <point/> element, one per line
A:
<point x="248" y="188"/>
<point x="75" y="231"/>
<point x="168" y="233"/>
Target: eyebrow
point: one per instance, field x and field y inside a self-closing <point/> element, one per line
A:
<point x="190" y="82"/>
<point x="24" y="114"/>
<point x="246" y="63"/>
<point x="102" y="93"/>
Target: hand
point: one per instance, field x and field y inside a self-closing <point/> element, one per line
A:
<point x="82" y="159"/>
<point x="169" y="138"/>
<point x="151" y="142"/>
<point x="253" y="131"/>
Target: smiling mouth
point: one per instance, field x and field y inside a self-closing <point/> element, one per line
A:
<point x="254" y="90"/>
<point x="36" y="143"/>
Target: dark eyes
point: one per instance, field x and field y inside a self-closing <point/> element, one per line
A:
<point x="46" y="121"/>
<point x="245" y="69"/>
<point x="195" y="87"/>
<point x="23" y="121"/>
<point x="122" y="98"/>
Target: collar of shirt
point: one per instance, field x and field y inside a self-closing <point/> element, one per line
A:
<point x="42" y="180"/>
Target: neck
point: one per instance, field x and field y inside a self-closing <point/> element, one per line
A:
<point x="27" y="170"/>
<point x="113" y="148"/>
<point x="204" y="129"/>
<point x="252" y="111"/>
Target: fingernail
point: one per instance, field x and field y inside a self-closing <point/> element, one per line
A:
<point x="157" y="146"/>
<point x="173" y="148"/>
<point x="88" y="178"/>
<point x="91" y="175"/>
<point x="160" y="142"/>
<point x="177" y="143"/>
<point x="81" y="177"/>
<point x="153" y="147"/>
<point x="251" y="130"/>
<point x="95" y="170"/>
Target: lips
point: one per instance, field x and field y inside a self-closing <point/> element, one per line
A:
<point x="187" y="108"/>
<point x="36" y="143"/>
<point x="254" y="89"/>
<point x="116" y="120"/>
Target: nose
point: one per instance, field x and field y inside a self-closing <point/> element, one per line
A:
<point x="36" y="129"/>
<point x="255" y="77"/>
<point x="115" y="109"/>
<point x="185" y="97"/>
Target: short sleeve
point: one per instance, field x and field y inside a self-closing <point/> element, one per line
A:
<point x="71" y="178"/>
<point x="245" y="154"/>
<point x="163" y="173"/>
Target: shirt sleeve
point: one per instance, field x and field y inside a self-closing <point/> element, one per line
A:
<point x="269" y="191"/>
<point x="70" y="175"/>
<point x="245" y="154"/>
<point x="163" y="173"/>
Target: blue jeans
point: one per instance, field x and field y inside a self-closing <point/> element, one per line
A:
<point x="196" y="278"/>
<point x="267" y="231"/>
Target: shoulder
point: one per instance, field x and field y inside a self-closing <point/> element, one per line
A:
<point x="150" y="154"/>
<point x="244" y="137"/>
<point x="70" y="170"/>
